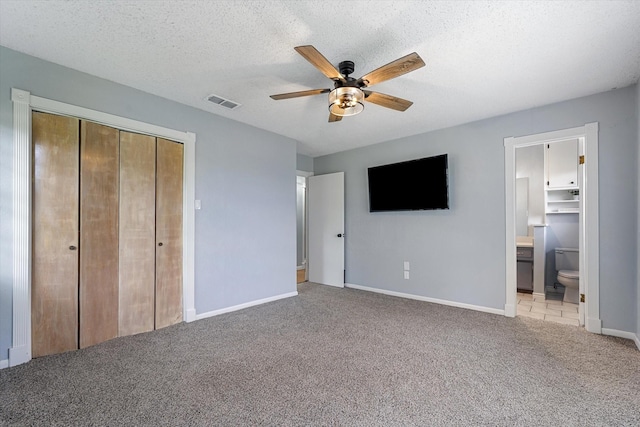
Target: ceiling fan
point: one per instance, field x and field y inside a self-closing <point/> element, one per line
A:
<point x="346" y="99"/>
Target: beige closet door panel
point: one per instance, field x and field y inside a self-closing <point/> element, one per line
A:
<point x="54" y="281"/>
<point x="168" y="233"/>
<point x="137" y="232"/>
<point x="99" y="163"/>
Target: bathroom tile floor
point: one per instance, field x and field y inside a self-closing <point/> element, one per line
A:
<point x="538" y="307"/>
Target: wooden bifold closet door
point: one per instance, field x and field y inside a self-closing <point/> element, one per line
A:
<point x="54" y="273"/>
<point x="99" y="158"/>
<point x="107" y="233"/>
<point x="169" y="233"/>
<point x="137" y="232"/>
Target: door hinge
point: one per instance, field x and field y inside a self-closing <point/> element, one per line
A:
<point x="581" y="297"/>
<point x="581" y="160"/>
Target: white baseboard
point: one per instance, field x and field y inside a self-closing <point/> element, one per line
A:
<point x="4" y="363"/>
<point x="19" y="355"/>
<point x="538" y="294"/>
<point x="427" y="299"/>
<point x="190" y="315"/>
<point x="593" y="325"/>
<point x="243" y="306"/>
<point x="622" y="334"/>
<point x="330" y="284"/>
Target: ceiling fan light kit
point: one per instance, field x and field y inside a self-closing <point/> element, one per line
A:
<point x="347" y="98"/>
<point x="346" y="101"/>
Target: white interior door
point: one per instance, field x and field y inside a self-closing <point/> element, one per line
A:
<point x="326" y="229"/>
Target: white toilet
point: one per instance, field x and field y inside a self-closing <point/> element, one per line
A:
<point x="568" y="274"/>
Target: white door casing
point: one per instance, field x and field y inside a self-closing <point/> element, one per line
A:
<point x="589" y="223"/>
<point x="581" y="236"/>
<point x="326" y="229"/>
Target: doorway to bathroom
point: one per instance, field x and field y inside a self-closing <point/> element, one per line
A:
<point x="560" y="212"/>
<point x="547" y="223"/>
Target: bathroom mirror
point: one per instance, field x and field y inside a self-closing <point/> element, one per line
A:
<point x="522" y="206"/>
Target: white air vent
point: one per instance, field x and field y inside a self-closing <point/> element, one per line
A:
<point x="223" y="102"/>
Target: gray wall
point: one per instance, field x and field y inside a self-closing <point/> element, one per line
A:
<point x="459" y="254"/>
<point x="244" y="234"/>
<point x="304" y="163"/>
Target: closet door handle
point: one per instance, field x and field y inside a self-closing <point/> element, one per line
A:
<point x="160" y="244"/>
<point x="72" y="248"/>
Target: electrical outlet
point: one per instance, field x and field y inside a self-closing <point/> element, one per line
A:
<point x="198" y="204"/>
<point x="406" y="275"/>
<point x="406" y="266"/>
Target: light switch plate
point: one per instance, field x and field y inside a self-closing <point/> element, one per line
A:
<point x="406" y="275"/>
<point x="406" y="265"/>
<point x="198" y="205"/>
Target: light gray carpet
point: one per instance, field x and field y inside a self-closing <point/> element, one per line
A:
<point x="336" y="357"/>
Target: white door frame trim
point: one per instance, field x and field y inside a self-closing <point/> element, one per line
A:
<point x="305" y="175"/>
<point x="590" y="253"/>
<point x="23" y="104"/>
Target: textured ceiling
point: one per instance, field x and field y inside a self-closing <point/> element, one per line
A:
<point x="482" y="58"/>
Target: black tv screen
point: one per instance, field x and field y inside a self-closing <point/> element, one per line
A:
<point x="410" y="186"/>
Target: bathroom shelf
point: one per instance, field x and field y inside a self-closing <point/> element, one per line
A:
<point x="561" y="201"/>
<point x="573" y="211"/>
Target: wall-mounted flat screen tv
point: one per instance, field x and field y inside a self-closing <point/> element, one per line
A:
<point x="414" y="185"/>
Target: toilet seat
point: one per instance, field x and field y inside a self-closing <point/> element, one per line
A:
<point x="569" y="274"/>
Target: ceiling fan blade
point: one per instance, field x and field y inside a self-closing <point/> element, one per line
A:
<point x="388" y="101"/>
<point x="312" y="55"/>
<point x="393" y="69"/>
<point x="299" y="94"/>
<point x="334" y="118"/>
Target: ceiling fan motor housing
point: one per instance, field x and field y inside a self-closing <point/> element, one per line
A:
<point x="346" y="68"/>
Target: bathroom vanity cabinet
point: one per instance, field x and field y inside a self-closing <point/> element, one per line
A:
<point x="525" y="268"/>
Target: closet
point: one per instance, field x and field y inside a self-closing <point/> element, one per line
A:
<point x="107" y="233"/>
